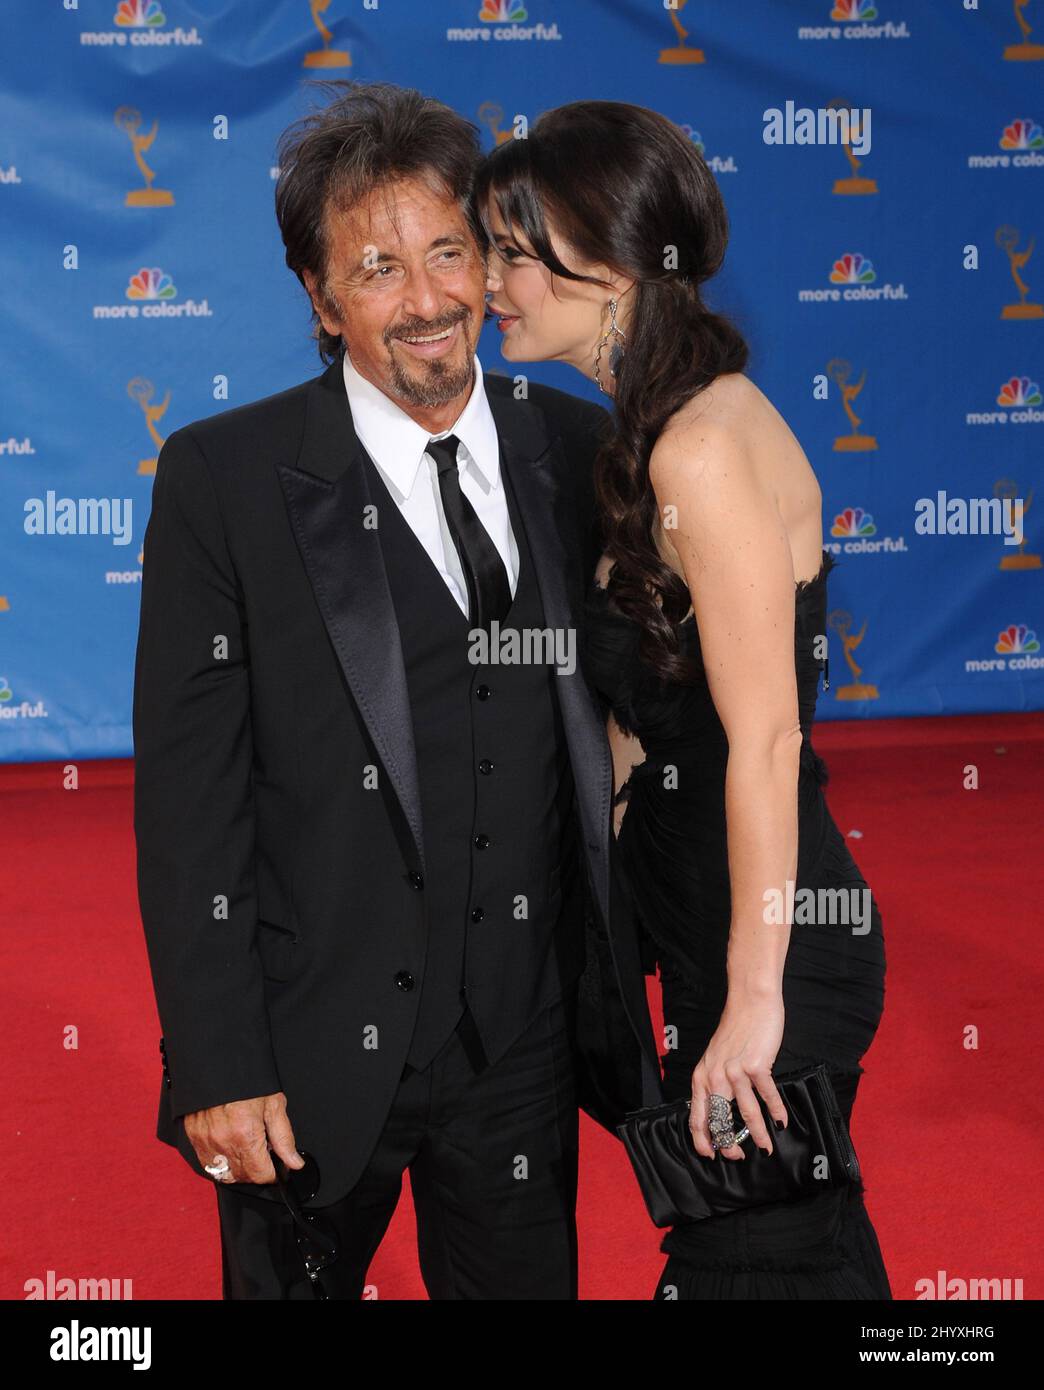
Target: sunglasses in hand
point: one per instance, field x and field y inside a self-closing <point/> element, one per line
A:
<point x="316" y="1234"/>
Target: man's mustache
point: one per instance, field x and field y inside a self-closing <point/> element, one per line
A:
<point x="421" y="329"/>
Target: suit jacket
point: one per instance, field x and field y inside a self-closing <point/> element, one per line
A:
<point x="280" y="896"/>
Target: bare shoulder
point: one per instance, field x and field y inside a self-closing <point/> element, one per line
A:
<point x="730" y="452"/>
<point x="732" y="408"/>
<point x="710" y="436"/>
<point x="728" y="397"/>
<point x="733" y="428"/>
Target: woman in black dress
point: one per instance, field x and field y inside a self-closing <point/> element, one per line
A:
<point x="705" y="636"/>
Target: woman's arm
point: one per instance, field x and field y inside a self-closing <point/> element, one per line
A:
<point x="733" y="548"/>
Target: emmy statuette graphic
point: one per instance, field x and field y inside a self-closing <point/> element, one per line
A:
<point x="1024" y="52"/>
<point x="128" y="119"/>
<point x="1007" y="239"/>
<point x="1019" y="559"/>
<point x="325" y="57"/>
<point x="141" y="390"/>
<point x="838" y="370"/>
<point x="681" y="53"/>
<point x="491" y="114"/>
<point x="841" y="623"/>
<point x="855" y="184"/>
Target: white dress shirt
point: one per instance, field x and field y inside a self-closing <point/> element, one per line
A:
<point x="398" y="445"/>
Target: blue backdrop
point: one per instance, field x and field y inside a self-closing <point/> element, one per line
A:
<point x="887" y="268"/>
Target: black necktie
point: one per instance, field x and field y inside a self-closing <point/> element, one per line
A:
<point x="489" y="593"/>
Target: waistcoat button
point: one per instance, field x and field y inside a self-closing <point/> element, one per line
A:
<point x="404" y="980"/>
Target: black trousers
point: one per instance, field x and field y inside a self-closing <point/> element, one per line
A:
<point x="492" y="1157"/>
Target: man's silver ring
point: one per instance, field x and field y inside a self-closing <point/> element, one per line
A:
<point x="219" y="1168"/>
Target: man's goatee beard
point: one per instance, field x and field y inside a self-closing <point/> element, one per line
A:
<point x="441" y="384"/>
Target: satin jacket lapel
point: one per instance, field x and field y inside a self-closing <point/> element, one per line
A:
<point x="326" y="495"/>
<point x="534" y="463"/>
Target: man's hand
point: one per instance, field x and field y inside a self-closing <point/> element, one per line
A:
<point x="244" y="1131"/>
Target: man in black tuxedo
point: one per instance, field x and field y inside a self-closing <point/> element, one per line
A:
<point x="362" y="838"/>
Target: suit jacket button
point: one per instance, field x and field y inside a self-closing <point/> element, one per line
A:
<point x="483" y="692"/>
<point x="477" y="914"/>
<point x="415" y="879"/>
<point x="485" y="766"/>
<point x="167" y="1082"/>
<point x="404" y="980"/>
<point x="482" y="842"/>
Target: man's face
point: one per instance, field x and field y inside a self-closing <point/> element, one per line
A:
<point x="404" y="265"/>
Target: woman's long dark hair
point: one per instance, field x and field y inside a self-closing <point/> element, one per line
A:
<point x="627" y="189"/>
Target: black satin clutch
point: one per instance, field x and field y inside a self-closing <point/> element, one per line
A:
<point x="813" y="1153"/>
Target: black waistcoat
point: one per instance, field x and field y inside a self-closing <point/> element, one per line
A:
<point x="497" y="800"/>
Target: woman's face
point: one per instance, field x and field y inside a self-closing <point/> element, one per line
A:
<point x="541" y="316"/>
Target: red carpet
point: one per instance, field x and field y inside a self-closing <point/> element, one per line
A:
<point x="948" y="1112"/>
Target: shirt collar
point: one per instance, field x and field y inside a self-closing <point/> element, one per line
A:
<point x="397" y="444"/>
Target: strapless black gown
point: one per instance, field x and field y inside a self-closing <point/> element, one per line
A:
<point x="672" y="849"/>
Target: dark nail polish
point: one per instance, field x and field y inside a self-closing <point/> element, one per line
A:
<point x="778" y="1124"/>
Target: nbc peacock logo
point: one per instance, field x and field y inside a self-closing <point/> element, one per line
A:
<point x="1019" y="390"/>
<point x="139" y="14"/>
<point x="1021" y="146"/>
<point x="855" y="19"/>
<point x="853" y="269"/>
<point x="151" y="283"/>
<point x="852" y="277"/>
<point x="141" y="24"/>
<point x="1015" y="640"/>
<point x="508" y="18"/>
<point x="1017" y="648"/>
<point x="150" y="294"/>
<point x="855" y="533"/>
<point x="853" y="521"/>
<point x="1022" y="135"/>
<point x="1019" y="399"/>
<point x="503" y="12"/>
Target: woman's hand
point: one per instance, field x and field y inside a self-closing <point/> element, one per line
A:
<point x="737" y="1061"/>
